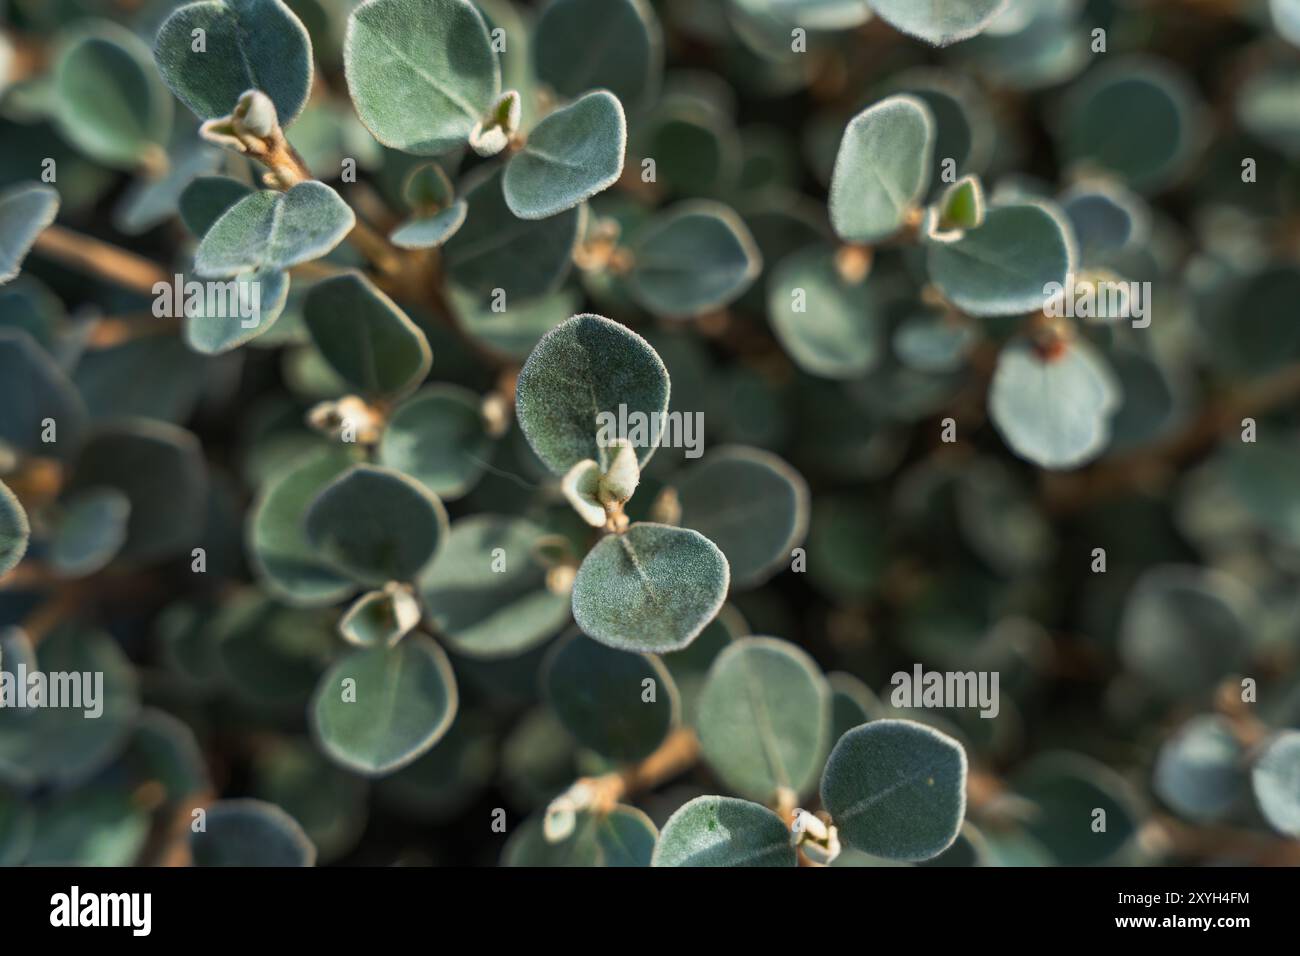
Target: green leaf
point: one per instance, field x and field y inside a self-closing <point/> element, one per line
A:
<point x="380" y="617"/>
<point x="697" y="256"/>
<point x="570" y="156"/>
<point x="1053" y="410"/>
<point x="250" y="833"/>
<point x="961" y="207"/>
<point x="1185" y="628"/>
<point x="486" y="592"/>
<point x="14" y="530"/>
<point x="286" y="563"/>
<point x="247" y="307"/>
<point x="617" y="367"/>
<point x="271" y="231"/>
<point x="64" y="746"/>
<point x="764" y="718"/>
<point x="651" y="589"/>
<point x="378" y="709"/>
<point x="882" y="169"/>
<point x="427" y="188"/>
<point x="329" y="803"/>
<point x="1201" y="770"/>
<point x="896" y="789"/>
<point x="270" y="655"/>
<point x="161" y="469"/>
<point x="1007" y="265"/>
<point x="627" y="59"/>
<point x="249" y="45"/>
<point x="495" y="250"/>
<point x="376" y="524"/>
<point x="930" y="342"/>
<point x="1066" y="791"/>
<point x="600" y="695"/>
<point x="421" y="73"/>
<point x="1138" y="120"/>
<point x="365" y="336"/>
<point x="440" y="439"/>
<point x="1276" y="780"/>
<point x="751" y="504"/>
<point x="25" y="211"/>
<point x="830" y="327"/>
<point x="90" y="532"/>
<point x="939" y="22"/>
<point x="430" y="231"/>
<point x="110" y="104"/>
<point x="17" y="827"/>
<point x="205" y="198"/>
<point x="99" y="824"/>
<point x="724" y="831"/>
<point x="33" y="392"/>
<point x="852" y="703"/>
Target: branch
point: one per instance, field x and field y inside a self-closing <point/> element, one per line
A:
<point x="101" y="259"/>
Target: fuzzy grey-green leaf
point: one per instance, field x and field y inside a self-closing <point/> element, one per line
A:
<point x="1009" y="264"/>
<point x="626" y="60"/>
<point x="570" y="156"/>
<point x="651" y="589"/>
<point x="376" y="525"/>
<point x="365" y="336"/>
<point x="272" y="231"/>
<point x="14" y="530"/>
<point x="723" y="831"/>
<point x="25" y="211"/>
<point x="882" y="169"/>
<point x="421" y="73"/>
<point x="439" y="438"/>
<point x="486" y="592"/>
<point x="563" y="424"/>
<point x="896" y="789"/>
<point x="247" y="44"/>
<point x="378" y="709"/>
<point x="620" y="705"/>
<point x="697" y="256"/>
<point x="939" y="22"/>
<point x="764" y="718"/>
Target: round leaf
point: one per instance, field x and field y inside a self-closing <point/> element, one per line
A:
<point x="1276" y="780"/>
<point x="90" y="532"/>
<point x="376" y="524"/>
<point x="570" y="156"/>
<point x="724" y="831"/>
<point x="1200" y="771"/>
<point x="751" y="504"/>
<point x="599" y="694"/>
<point x="288" y="566"/>
<point x="110" y="103"/>
<point x="696" y="257"/>
<point x="882" y="169"/>
<point x="1009" y="264"/>
<point x="14" y="530"/>
<point x="205" y="198"/>
<point x="651" y="589"/>
<point x="939" y="22"/>
<point x="378" y="709"/>
<point x="764" y="718"/>
<point x="250" y="833"/>
<point x="626" y="60"/>
<point x="248" y="44"/>
<point x="829" y="327"/>
<point x="1053" y="410"/>
<point x="365" y="336"/>
<point x="896" y="789"/>
<point x="271" y="231"/>
<point x="620" y="373"/>
<point x="430" y="231"/>
<point x="421" y="73"/>
<point x="486" y="592"/>
<point x="258" y="299"/>
<point x="439" y="438"/>
<point x="25" y="211"/>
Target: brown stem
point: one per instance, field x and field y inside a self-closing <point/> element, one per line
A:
<point x="101" y="259"/>
<point x="674" y="756"/>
